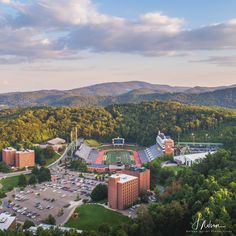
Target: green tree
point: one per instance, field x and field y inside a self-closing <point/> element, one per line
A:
<point x="32" y="180"/>
<point x="27" y="224"/>
<point x="99" y="192"/>
<point x="22" y="181"/>
<point x="50" y="220"/>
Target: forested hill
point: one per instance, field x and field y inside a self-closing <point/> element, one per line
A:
<point x="102" y="95"/>
<point x="137" y="123"/>
<point x="222" y="98"/>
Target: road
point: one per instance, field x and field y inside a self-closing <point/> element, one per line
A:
<point x="63" y="156"/>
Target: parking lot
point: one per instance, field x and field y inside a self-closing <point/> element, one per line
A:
<point x="58" y="197"/>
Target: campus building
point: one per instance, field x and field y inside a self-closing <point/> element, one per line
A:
<point x="143" y="176"/>
<point x="8" y="156"/>
<point x="122" y="191"/>
<point x="165" y="143"/>
<point x="25" y="158"/>
<point x="190" y="159"/>
<point x="7" y="222"/>
<point x="19" y="159"/>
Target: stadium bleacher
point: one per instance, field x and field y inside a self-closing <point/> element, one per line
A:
<point x="86" y="153"/>
<point x="150" y="153"/>
<point x="143" y="157"/>
<point x="83" y="152"/>
<point x="93" y="155"/>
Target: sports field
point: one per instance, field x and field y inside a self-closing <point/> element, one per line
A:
<point x="114" y="156"/>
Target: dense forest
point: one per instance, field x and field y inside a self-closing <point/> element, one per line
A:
<point x="137" y="123"/>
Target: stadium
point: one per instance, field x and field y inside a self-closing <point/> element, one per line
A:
<point x="117" y="155"/>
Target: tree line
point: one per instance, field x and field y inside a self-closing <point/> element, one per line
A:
<point x="137" y="123"/>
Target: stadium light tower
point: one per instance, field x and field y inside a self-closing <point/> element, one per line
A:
<point x="76" y="137"/>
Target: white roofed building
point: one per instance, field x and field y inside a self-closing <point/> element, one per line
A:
<point x="7" y="221"/>
<point x="190" y="159"/>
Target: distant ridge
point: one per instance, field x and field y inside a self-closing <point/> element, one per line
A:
<point x="122" y="92"/>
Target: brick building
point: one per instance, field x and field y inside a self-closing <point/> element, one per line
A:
<point x="8" y="156"/>
<point x="143" y="176"/>
<point x="25" y="158"/>
<point x="169" y="147"/>
<point x="19" y="159"/>
<point x="122" y="191"/>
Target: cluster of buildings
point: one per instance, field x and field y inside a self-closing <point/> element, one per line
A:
<point x="18" y="159"/>
<point x="125" y="187"/>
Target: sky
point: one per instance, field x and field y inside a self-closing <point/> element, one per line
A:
<point x="64" y="44"/>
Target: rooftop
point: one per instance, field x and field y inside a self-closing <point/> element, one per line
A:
<point x="25" y="150"/>
<point x="56" y="141"/>
<point x="195" y="156"/>
<point x="98" y="166"/>
<point x="6" y="220"/>
<point x="136" y="169"/>
<point x="34" y="229"/>
<point x="9" y="149"/>
<point x="123" y="177"/>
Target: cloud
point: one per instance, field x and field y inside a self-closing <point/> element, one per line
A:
<point x="45" y="30"/>
<point x="220" y="60"/>
<point x="5" y="1"/>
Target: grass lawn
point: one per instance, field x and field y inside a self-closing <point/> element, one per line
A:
<point x="91" y="142"/>
<point x="175" y="168"/>
<point x="11" y="182"/>
<point x="91" y="216"/>
<point x="49" y="161"/>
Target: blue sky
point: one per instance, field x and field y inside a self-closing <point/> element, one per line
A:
<point x="196" y="13"/>
<point x="65" y="44"/>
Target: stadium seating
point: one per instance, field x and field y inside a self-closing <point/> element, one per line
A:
<point x="150" y="153"/>
<point x="83" y="152"/>
<point x="93" y="155"/>
<point x="143" y="156"/>
<point x="87" y="153"/>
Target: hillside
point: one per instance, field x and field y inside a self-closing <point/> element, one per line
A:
<point x="137" y="123"/>
<point x="123" y="92"/>
<point x="223" y="98"/>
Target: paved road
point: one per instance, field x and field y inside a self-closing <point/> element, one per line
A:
<point x="63" y="156"/>
<point x="4" y="175"/>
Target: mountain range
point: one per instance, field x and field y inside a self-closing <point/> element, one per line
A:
<point x="122" y="92"/>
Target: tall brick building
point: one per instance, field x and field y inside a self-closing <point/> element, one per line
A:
<point x="19" y="159"/>
<point x="143" y="176"/>
<point x="122" y="191"/>
<point x="25" y="158"/>
<point x="8" y="156"/>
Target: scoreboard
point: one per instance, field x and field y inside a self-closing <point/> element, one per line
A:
<point x="118" y="141"/>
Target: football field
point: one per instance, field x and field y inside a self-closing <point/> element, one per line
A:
<point x="115" y="156"/>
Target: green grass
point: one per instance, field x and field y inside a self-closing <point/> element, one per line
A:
<point x="91" y="216"/>
<point x="114" y="156"/>
<point x="175" y="168"/>
<point x="11" y="182"/>
<point x="49" y="161"/>
<point x="91" y="142"/>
